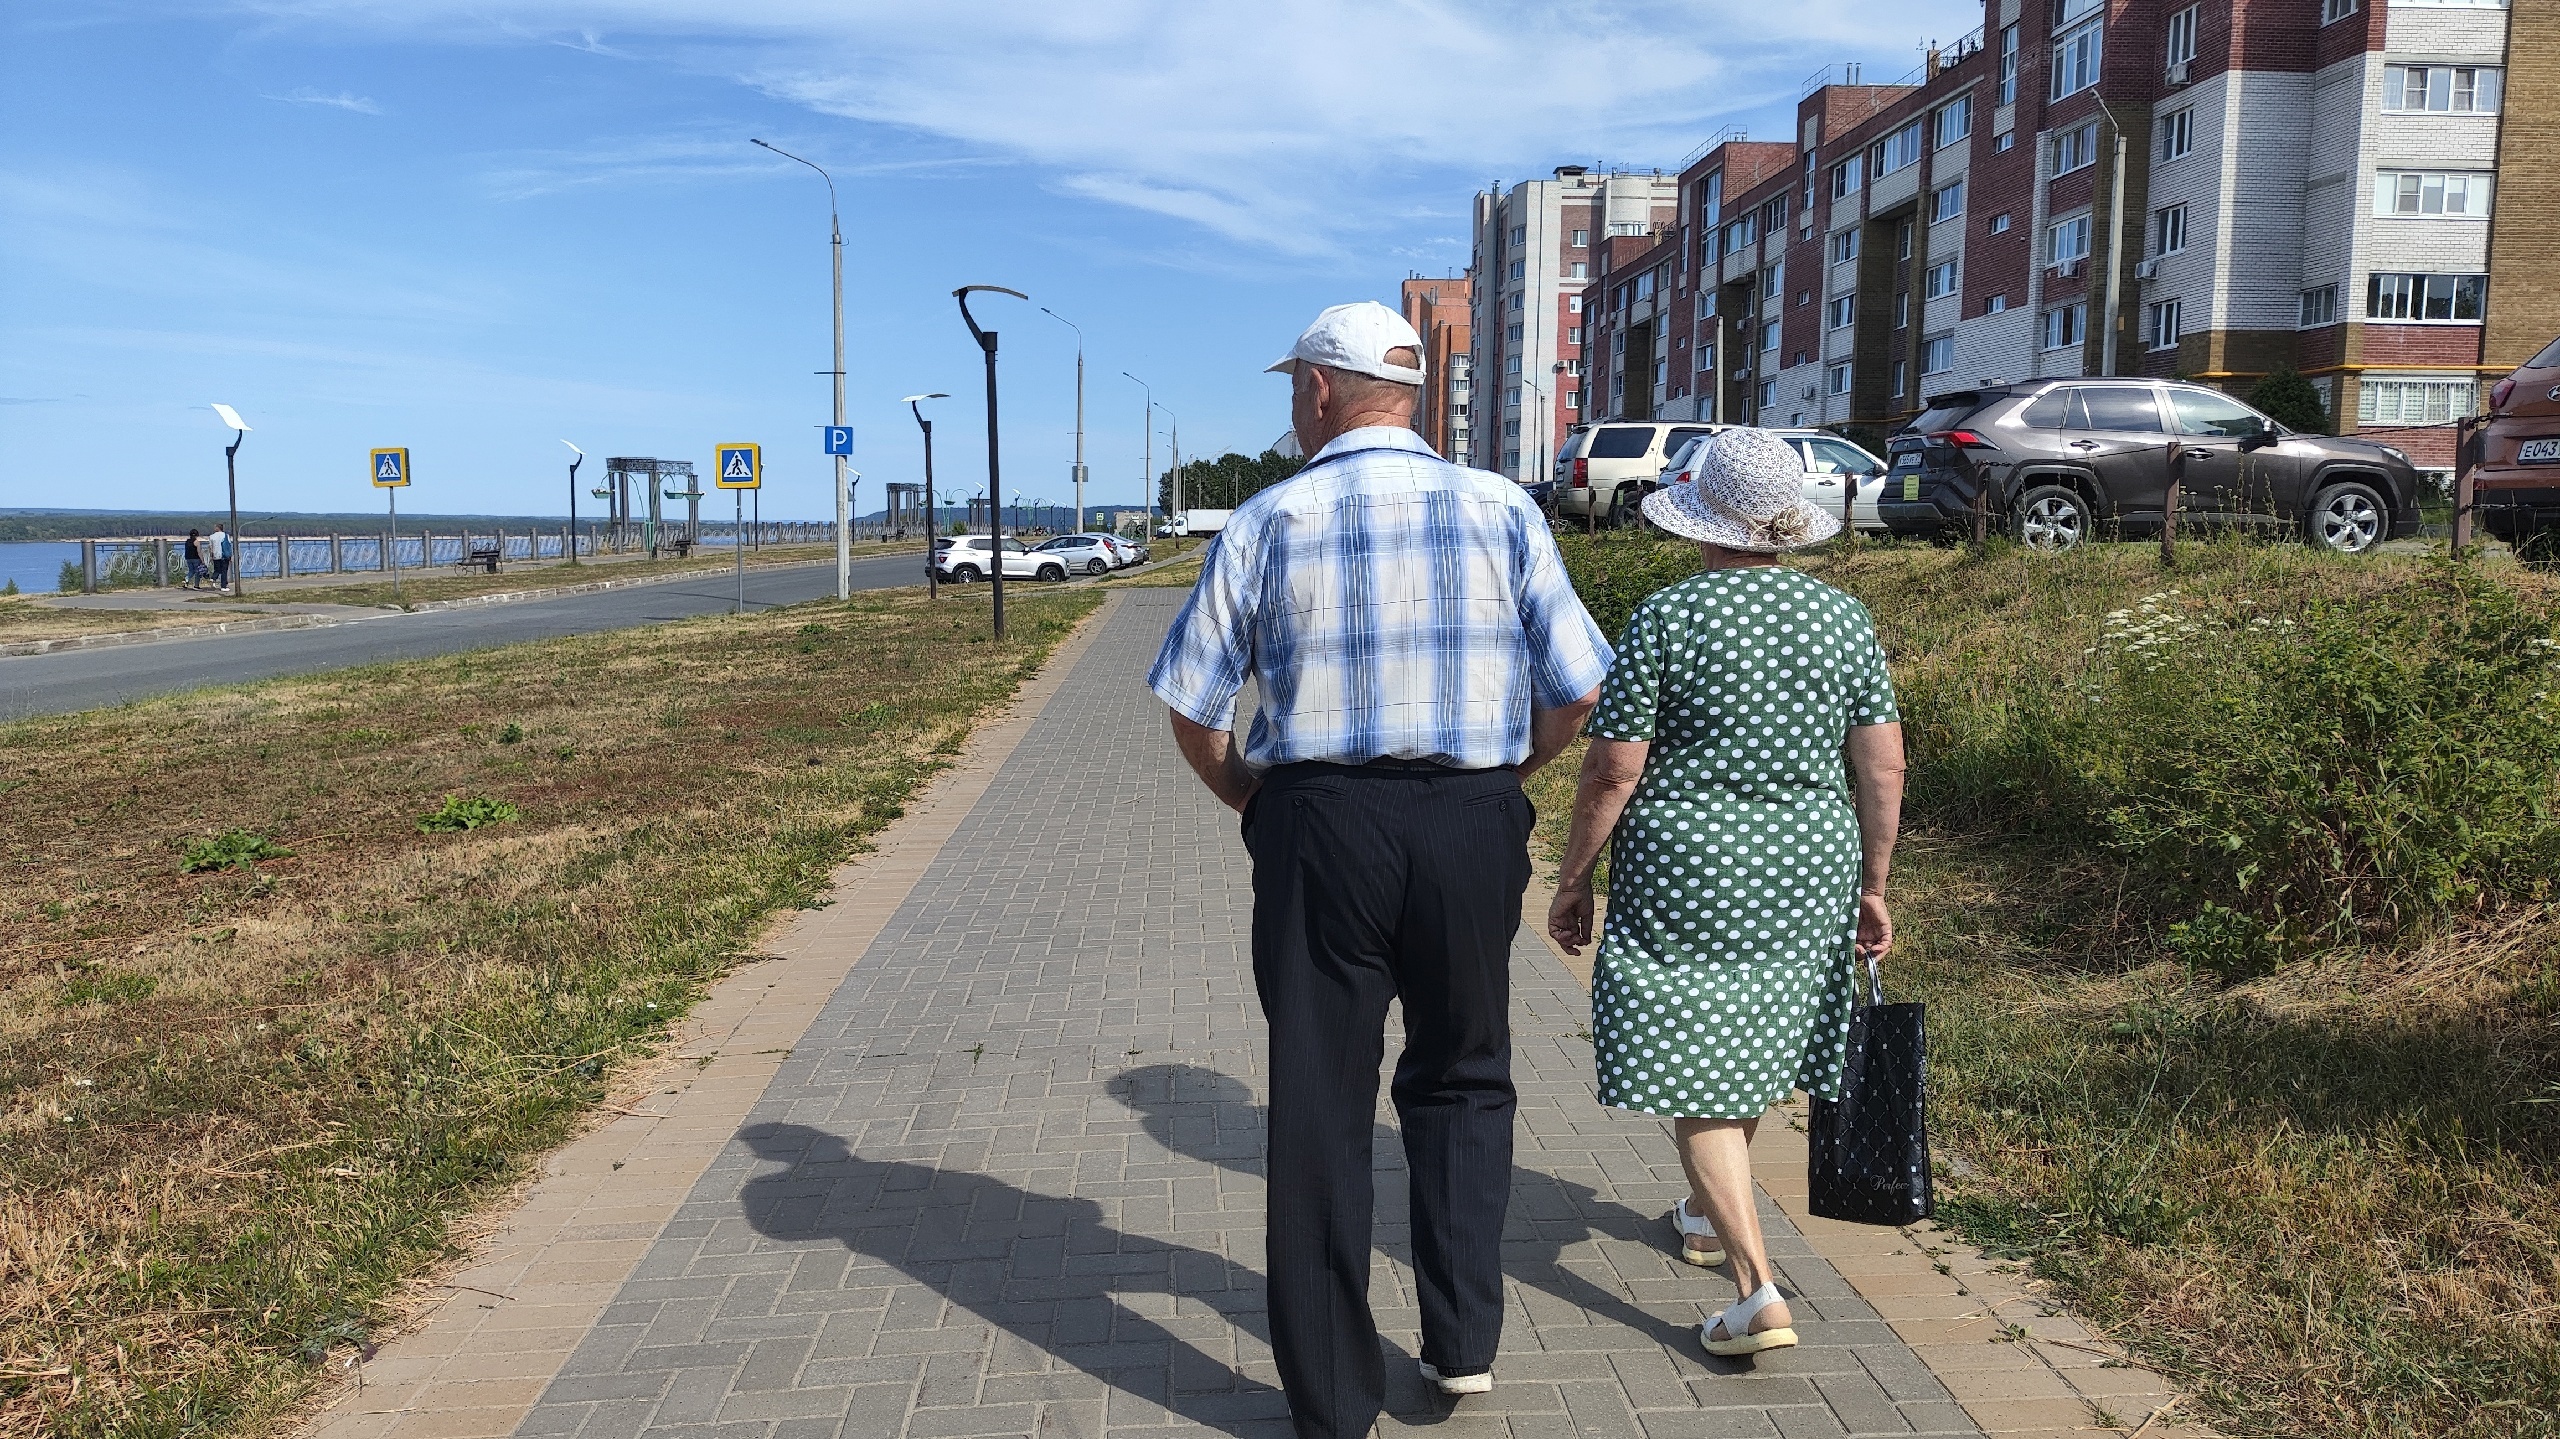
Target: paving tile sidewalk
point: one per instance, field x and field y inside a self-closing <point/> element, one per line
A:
<point x="1009" y="1182"/>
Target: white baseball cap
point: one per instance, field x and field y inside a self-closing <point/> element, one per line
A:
<point x="1356" y="337"/>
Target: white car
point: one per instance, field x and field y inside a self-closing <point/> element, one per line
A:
<point x="1083" y="554"/>
<point x="967" y="559"/>
<point x="1829" y="463"/>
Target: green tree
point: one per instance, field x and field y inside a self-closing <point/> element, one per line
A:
<point x="1227" y="481"/>
<point x="2293" y="401"/>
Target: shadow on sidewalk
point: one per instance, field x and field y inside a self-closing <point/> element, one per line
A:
<point x="1212" y="1117"/>
<point x="1042" y="1269"/>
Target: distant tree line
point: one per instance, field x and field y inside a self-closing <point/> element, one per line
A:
<point x="22" y="525"/>
<point x="1227" y="481"/>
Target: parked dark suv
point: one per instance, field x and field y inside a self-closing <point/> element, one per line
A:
<point x="2064" y="460"/>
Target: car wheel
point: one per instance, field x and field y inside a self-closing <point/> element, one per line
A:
<point x="1095" y="567"/>
<point x="2347" y="518"/>
<point x="964" y="575"/>
<point x="1053" y="572"/>
<point x="2050" y="517"/>
<point x="1626" y="510"/>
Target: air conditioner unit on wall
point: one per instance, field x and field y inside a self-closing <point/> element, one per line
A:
<point x="2146" y="269"/>
<point x="2178" y="73"/>
<point x="2067" y="270"/>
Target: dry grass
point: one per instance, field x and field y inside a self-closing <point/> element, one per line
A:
<point x="27" y="618"/>
<point x="2324" y="1200"/>
<point x="238" y="1106"/>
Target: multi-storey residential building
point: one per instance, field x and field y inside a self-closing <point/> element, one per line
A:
<point x="2211" y="188"/>
<point x="1439" y="312"/>
<point x="1534" y="246"/>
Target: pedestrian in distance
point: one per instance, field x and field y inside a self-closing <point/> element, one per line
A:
<point x="1747" y="860"/>
<point x="195" y="559"/>
<point x="219" y="543"/>
<point x="1419" y="650"/>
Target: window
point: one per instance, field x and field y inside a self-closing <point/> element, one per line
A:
<point x="2160" y="325"/>
<point x="2332" y="11"/>
<point x="1631" y="227"/>
<point x="1995" y="305"/>
<point x="2441" y="89"/>
<point x="1773" y="216"/>
<point x="2169" y="230"/>
<point x="1941" y="280"/>
<point x="2210" y="412"/>
<point x="2182" y="35"/>
<point x="2067" y="241"/>
<point x="2008" y="93"/>
<point x="1947" y="201"/>
<point x="2416" y="400"/>
<point x="1572" y="367"/>
<point x="1803" y="298"/>
<point x="2000" y="223"/>
<point x="2066" y="11"/>
<point x="1515" y="334"/>
<point x="1519" y="234"/>
<point x="1767" y="394"/>
<point x="1617" y="342"/>
<point x="1769" y="336"/>
<point x="1897" y="151"/>
<point x="1953" y="121"/>
<point x="2424" y="297"/>
<point x="2076" y="148"/>
<point x="1581" y="270"/>
<point x="1902" y="309"/>
<point x="2075" y="58"/>
<point x="1844" y="246"/>
<point x="1519" y="269"/>
<point x="1769" y="282"/>
<point x="1841" y="313"/>
<point x="1706" y="303"/>
<point x="2120" y="408"/>
<point x="1847" y="176"/>
<point x="1835" y="380"/>
<point x="1573" y="305"/>
<point x="2177" y="134"/>
<point x="1938" y="355"/>
<point x="2065" y="325"/>
<point x="2004" y="142"/>
<point x="1901" y="369"/>
<point x="1511" y="428"/>
<point x="1512" y="367"/>
<point x="1573" y="401"/>
<point x="2432" y="192"/>
<point x="1706" y="353"/>
<point x="1902" y="241"/>
<point x="1581" y="238"/>
<point x="1711" y="200"/>
<point x="2319" y="307"/>
<point x="1573" y="336"/>
<point x="1644" y="286"/>
<point x="1515" y="302"/>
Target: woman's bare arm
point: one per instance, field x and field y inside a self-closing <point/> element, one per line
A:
<point x="1610" y="769"/>
<point x="1876" y="769"/>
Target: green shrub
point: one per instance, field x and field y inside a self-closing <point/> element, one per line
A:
<point x="1616" y="571"/>
<point x="231" y="849"/>
<point x="2293" y="401"/>
<point x="467" y="812"/>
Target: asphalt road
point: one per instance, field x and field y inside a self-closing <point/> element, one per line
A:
<point x="90" y="678"/>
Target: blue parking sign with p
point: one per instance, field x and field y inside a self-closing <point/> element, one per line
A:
<point x="390" y="468"/>
<point x="839" y="439"/>
<point x="741" y="467"/>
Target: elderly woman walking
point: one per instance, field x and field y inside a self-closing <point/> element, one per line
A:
<point x="1747" y="868"/>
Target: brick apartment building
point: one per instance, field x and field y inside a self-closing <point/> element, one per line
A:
<point x="1439" y="311"/>
<point x="2318" y="184"/>
<point x="1535" y="245"/>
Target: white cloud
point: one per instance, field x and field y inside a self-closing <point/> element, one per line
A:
<point x="340" y="101"/>
<point x="1300" y="125"/>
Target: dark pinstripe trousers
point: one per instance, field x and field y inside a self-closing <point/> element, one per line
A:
<point x="1371" y="884"/>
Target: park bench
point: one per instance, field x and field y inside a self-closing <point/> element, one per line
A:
<point x="484" y="556"/>
<point x="682" y="547"/>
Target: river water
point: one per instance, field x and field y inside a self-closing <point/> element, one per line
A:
<point x="36" y="564"/>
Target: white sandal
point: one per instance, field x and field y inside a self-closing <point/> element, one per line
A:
<point x="1695" y="1225"/>
<point x="1736" y="1323"/>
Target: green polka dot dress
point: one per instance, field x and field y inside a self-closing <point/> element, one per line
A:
<point x="1723" y="978"/>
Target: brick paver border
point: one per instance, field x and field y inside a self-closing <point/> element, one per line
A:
<point x="513" y="1313"/>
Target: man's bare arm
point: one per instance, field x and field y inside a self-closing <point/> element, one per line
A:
<point x="1214" y="757"/>
<point x="1551" y="730"/>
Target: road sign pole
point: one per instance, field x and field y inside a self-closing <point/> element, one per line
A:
<point x="392" y="493"/>
<point x="738" y="542"/>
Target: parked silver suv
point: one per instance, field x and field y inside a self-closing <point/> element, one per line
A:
<point x="1604" y="471"/>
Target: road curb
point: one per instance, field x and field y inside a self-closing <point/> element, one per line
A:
<point x="165" y="632"/>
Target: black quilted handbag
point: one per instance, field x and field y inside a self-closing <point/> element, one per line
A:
<point x="1868" y="1158"/>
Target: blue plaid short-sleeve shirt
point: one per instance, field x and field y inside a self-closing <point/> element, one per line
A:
<point x="1391" y="605"/>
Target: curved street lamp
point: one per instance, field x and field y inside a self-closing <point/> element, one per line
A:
<point x="932" y="582"/>
<point x="231" y="479"/>
<point x="995" y="494"/>
<point x="569" y="542"/>
<point x="844" y="497"/>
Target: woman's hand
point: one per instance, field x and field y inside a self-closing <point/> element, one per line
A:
<point x="1875" y="925"/>
<point x="1569" y="917"/>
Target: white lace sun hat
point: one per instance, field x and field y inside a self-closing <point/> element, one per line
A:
<point x="1749" y="495"/>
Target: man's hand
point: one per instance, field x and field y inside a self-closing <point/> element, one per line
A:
<point x="1569" y="917"/>
<point x="1212" y="755"/>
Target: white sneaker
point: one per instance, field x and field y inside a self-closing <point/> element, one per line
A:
<point x="1455" y="1385"/>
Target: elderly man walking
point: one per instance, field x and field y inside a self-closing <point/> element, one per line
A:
<point x="1419" y="651"/>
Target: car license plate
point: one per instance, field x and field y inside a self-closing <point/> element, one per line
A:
<point x="1911" y="487"/>
<point x="2539" y="452"/>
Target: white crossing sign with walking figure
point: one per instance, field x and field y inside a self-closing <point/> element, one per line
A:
<point x="740" y="467"/>
<point x="390" y="468"/>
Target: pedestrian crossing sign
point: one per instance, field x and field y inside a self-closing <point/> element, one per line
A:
<point x="741" y="467"/>
<point x="390" y="469"/>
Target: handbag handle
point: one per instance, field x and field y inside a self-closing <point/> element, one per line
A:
<point x="1875" y="980"/>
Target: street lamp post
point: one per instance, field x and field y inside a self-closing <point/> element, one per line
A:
<point x="1147" y="478"/>
<point x="231" y="479"/>
<point x="844" y="497"/>
<point x="1181" y="501"/>
<point x="932" y="583"/>
<point x="995" y="492"/>
<point x="569" y="541"/>
<point x="1079" y="329"/>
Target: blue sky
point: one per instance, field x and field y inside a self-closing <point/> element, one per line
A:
<point x="477" y="228"/>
